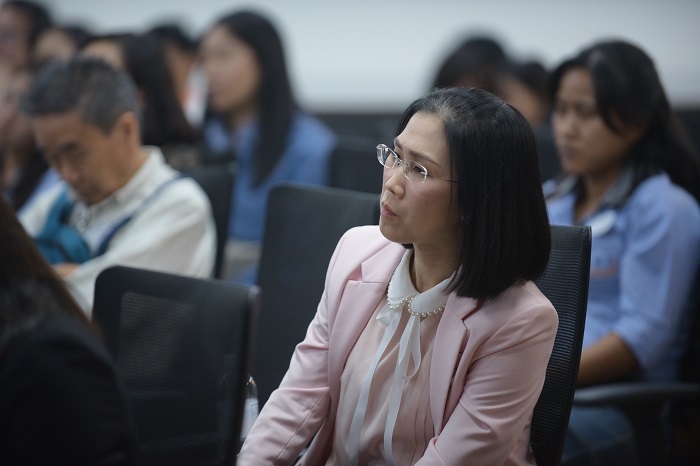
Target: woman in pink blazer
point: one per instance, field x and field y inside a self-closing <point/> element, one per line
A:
<point x="430" y="343"/>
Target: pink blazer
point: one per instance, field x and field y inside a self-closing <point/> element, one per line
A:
<point x="486" y="372"/>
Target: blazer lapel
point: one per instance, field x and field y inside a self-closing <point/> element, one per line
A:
<point x="360" y="299"/>
<point x="450" y="340"/>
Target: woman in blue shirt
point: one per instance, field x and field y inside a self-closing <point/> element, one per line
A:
<point x="631" y="176"/>
<point x="254" y="116"/>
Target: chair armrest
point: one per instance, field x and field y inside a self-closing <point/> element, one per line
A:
<point x="636" y="393"/>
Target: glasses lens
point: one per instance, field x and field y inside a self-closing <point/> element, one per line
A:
<point x="385" y="156"/>
<point x="415" y="172"/>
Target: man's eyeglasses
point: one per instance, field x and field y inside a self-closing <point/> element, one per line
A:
<point x="412" y="171"/>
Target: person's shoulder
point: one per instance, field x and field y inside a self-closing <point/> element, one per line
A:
<point x="362" y="242"/>
<point x="524" y="300"/>
<point x="34" y="215"/>
<point x="56" y="335"/>
<point x="658" y="197"/>
<point x="55" y="347"/>
<point x="308" y="130"/>
<point x="181" y="191"/>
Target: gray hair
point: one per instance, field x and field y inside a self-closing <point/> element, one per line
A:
<point x="97" y="91"/>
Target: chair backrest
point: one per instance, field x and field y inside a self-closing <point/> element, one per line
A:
<point x="354" y="165"/>
<point x="565" y="283"/>
<point x="216" y="180"/>
<point x="181" y="345"/>
<point x="304" y="224"/>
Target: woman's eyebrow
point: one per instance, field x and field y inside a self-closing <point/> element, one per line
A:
<point x="416" y="155"/>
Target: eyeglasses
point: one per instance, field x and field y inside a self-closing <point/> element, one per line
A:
<point x="412" y="171"/>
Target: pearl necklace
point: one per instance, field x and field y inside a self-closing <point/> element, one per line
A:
<point x="401" y="303"/>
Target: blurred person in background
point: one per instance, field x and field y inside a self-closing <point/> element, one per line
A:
<point x="164" y="124"/>
<point x="25" y="173"/>
<point x="630" y="174"/>
<point x="481" y="61"/>
<point x="119" y="202"/>
<point x="59" y="42"/>
<point x="255" y="119"/>
<point x="183" y="62"/>
<point x="524" y="86"/>
<point x="21" y="23"/>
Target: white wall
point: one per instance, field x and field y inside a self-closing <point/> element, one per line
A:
<point x="381" y="54"/>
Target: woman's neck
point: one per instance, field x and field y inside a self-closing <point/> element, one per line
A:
<point x="428" y="269"/>
<point x="241" y="116"/>
<point x="594" y="188"/>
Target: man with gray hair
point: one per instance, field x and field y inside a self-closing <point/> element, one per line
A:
<point x="119" y="202"/>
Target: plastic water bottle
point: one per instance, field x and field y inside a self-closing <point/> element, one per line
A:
<point x="250" y="409"/>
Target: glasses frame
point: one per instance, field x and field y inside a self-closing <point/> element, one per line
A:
<point x="407" y="165"/>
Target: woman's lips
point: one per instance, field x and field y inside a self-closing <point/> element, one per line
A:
<point x="387" y="211"/>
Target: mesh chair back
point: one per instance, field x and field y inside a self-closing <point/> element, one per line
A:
<point x="216" y="180"/>
<point x="565" y="283"/>
<point x="181" y="347"/>
<point x="304" y="224"/>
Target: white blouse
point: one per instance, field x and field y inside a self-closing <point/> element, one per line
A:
<point x="384" y="417"/>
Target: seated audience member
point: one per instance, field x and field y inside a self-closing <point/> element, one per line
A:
<point x="59" y="43"/>
<point x="164" y="124"/>
<point x="255" y="117"/>
<point x="119" y="203"/>
<point x="61" y="401"/>
<point x="431" y="342"/>
<point x="476" y="62"/>
<point x="524" y="86"/>
<point x="183" y="63"/>
<point x="21" y="23"/>
<point x="482" y="62"/>
<point x="634" y="180"/>
<point x="25" y="173"/>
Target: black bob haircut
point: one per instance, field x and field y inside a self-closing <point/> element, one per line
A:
<point x="505" y="228"/>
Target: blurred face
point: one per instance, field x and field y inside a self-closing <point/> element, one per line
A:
<point x="232" y="70"/>
<point x="89" y="160"/>
<point x="15" y="127"/>
<point x="14" y="38"/>
<point x="519" y="96"/>
<point x="424" y="214"/>
<point x="586" y="145"/>
<point x="107" y="50"/>
<point x="53" y="44"/>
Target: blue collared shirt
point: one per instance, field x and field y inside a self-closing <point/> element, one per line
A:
<point x="644" y="257"/>
<point x="305" y="160"/>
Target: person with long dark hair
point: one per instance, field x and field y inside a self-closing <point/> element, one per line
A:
<point x="431" y="342"/>
<point x="254" y="115"/>
<point x="630" y="174"/>
<point x="61" y="401"/>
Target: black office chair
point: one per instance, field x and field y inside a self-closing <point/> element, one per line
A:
<point x="565" y="283"/>
<point x="665" y="416"/>
<point x="303" y="226"/>
<point x="181" y="345"/>
<point x="217" y="181"/>
<point x="354" y="165"/>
